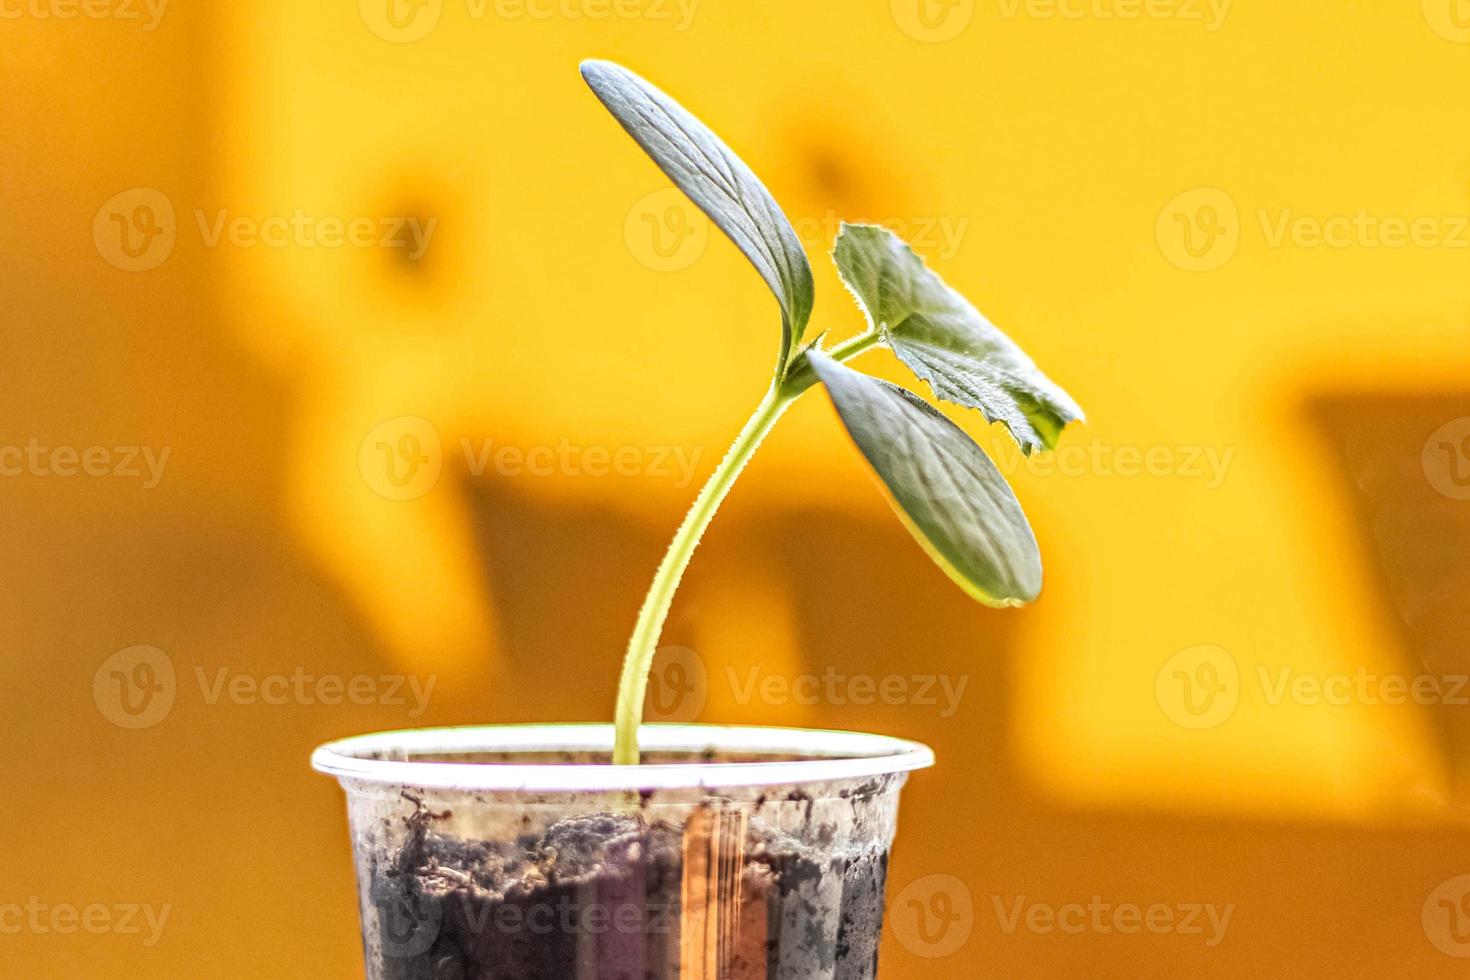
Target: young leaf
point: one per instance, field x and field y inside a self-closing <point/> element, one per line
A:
<point x="943" y="486"/>
<point x="717" y="181"/>
<point x="946" y="341"/>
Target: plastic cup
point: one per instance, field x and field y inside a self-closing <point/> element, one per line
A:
<point x="519" y="852"/>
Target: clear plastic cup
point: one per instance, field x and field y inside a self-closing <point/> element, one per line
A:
<point x="519" y="852"/>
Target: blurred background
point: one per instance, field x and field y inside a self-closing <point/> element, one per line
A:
<point x="357" y="370"/>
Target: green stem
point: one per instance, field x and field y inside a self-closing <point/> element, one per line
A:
<point x="803" y="377"/>
<point x="854" y="346"/>
<point x="633" y="686"/>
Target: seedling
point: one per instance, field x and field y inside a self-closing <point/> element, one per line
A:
<point x="942" y="485"/>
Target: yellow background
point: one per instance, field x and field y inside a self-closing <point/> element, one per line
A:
<point x="1047" y="160"/>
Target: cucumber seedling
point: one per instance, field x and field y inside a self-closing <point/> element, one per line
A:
<point x="942" y="485"/>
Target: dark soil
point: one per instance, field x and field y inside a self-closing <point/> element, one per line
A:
<point x="609" y="897"/>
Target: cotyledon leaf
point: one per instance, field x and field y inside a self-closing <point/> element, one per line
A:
<point x="717" y="181"/>
<point x="946" y="341"/>
<point x="947" y="491"/>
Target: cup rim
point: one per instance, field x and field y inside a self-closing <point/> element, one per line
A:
<point x="823" y="756"/>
